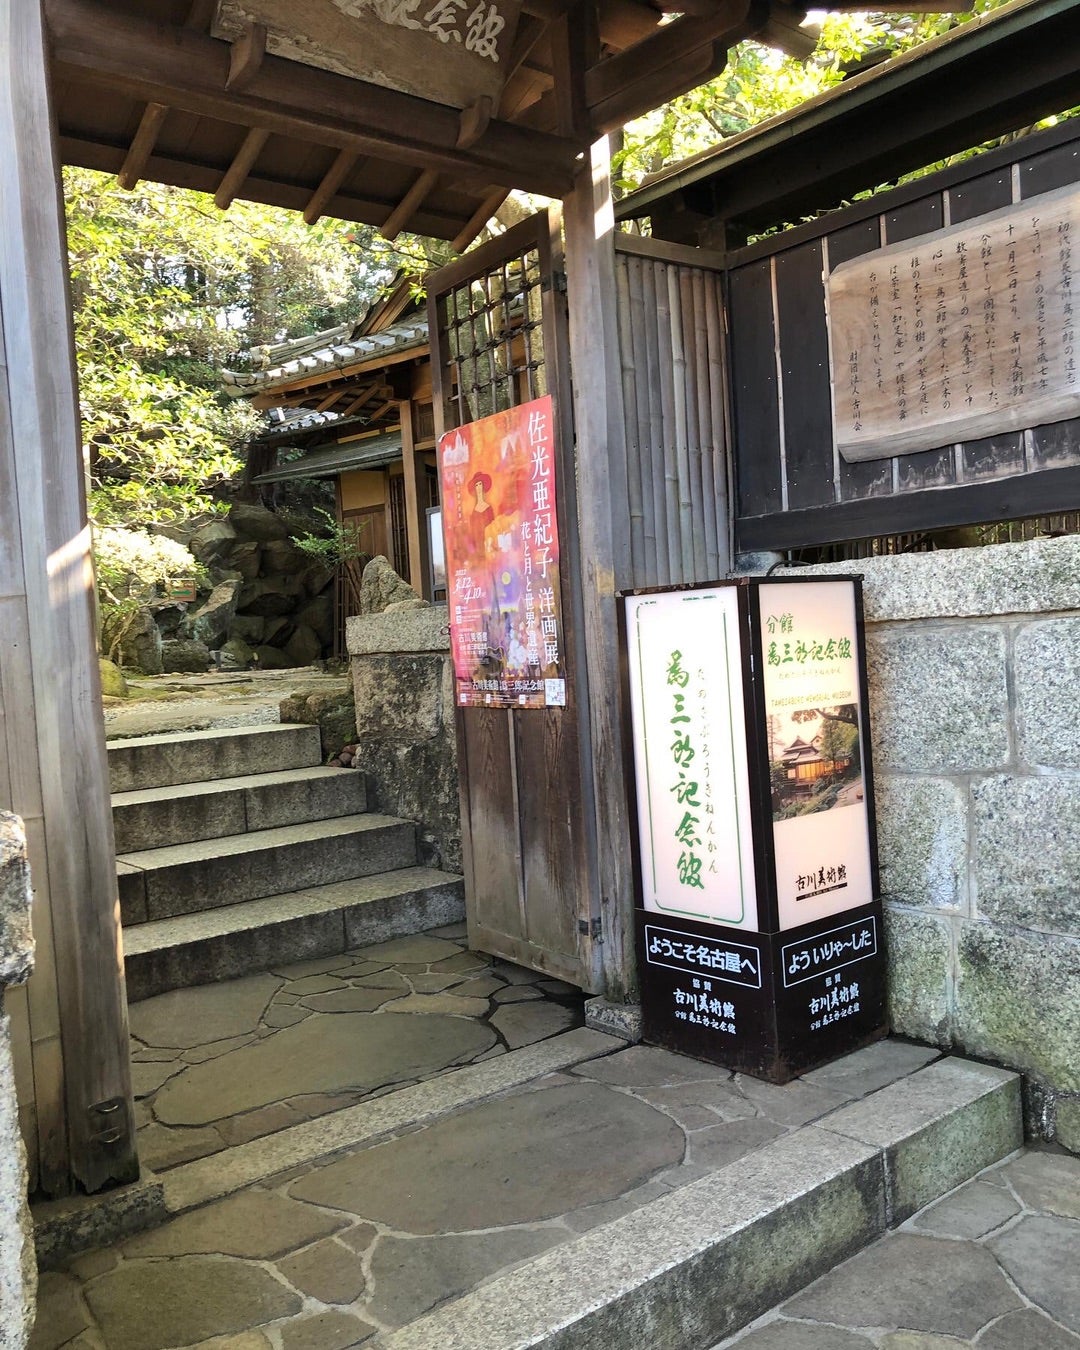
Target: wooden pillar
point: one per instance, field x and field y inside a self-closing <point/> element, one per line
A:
<point x="604" y="541"/>
<point x="52" y="748"/>
<point x="415" y="512"/>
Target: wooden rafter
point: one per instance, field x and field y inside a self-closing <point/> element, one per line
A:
<point x="474" y="121"/>
<point x="399" y="217"/>
<point x="237" y="172"/>
<point x="480" y="218"/>
<point x="200" y="15"/>
<point x="94" y="43"/>
<point x="331" y="181"/>
<point x="142" y="145"/>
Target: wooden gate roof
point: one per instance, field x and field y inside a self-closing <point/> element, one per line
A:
<point x="143" y="89"/>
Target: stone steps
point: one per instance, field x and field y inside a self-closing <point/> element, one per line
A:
<point x="183" y="813"/>
<point x="162" y="883"/>
<point x="237" y="849"/>
<point x="200" y="756"/>
<point x="699" y="1263"/>
<point x="233" y="940"/>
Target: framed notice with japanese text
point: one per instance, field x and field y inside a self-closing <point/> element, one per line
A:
<point x="960" y="334"/>
<point x="501" y="537"/>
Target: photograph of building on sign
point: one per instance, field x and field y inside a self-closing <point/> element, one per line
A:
<point x="814" y="760"/>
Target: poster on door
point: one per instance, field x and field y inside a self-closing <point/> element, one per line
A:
<point x="497" y="478"/>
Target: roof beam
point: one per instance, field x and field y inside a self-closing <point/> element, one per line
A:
<point x="142" y="146"/>
<point x="326" y="191"/>
<point x="93" y="42"/>
<point x="246" y="56"/>
<point x="236" y="174"/>
<point x="400" y="216"/>
<point x="480" y="218"/>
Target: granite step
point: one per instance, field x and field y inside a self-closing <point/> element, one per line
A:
<point x="198" y="756"/>
<point x="236" y="939"/>
<point x="182" y="813"/>
<point x="697" y="1264"/>
<point x="163" y="883"/>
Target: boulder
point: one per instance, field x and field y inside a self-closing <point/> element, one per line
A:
<point x="380" y="586"/>
<point x="304" y="646"/>
<point x="270" y="597"/>
<point x="248" y="628"/>
<point x="333" y="711"/>
<point x="212" y="541"/>
<point x="169" y="615"/>
<point x="245" y="558"/>
<point x="237" y="651"/>
<point x="282" y="555"/>
<point x="257" y="522"/>
<point x="276" y="632"/>
<point x="113" y="684"/>
<point x="270" y="658"/>
<point x="210" y="624"/>
<point x="132" y="637"/>
<point x="184" y="655"/>
<point x="315" y="578"/>
<point x="319" y="616"/>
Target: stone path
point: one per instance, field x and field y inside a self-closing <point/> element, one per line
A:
<point x="221" y="1064"/>
<point x="996" y="1265"/>
<point x="351" y="1246"/>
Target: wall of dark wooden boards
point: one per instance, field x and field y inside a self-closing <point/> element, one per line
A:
<point x="791" y="488"/>
<point x="672" y="360"/>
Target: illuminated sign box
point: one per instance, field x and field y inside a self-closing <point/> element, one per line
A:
<point x="759" y="920"/>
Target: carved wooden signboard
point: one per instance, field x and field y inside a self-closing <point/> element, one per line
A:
<point x="959" y="334"/>
<point x="451" y="51"/>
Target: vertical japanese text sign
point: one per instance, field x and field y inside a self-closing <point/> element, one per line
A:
<point x="502" y="559"/>
<point x="693" y="794"/>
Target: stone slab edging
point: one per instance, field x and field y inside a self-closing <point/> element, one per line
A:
<point x="64" y="1227"/>
<point x="694" y="1266"/>
<point x="220" y="1174"/>
<point x="398" y="632"/>
<point x="1036" y="577"/>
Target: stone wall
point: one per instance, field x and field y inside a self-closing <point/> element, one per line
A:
<point x="403" y="681"/>
<point x="974" y="675"/>
<point x="18" y="1273"/>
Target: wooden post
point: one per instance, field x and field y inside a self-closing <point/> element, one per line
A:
<point x="52" y="747"/>
<point x="604" y="540"/>
<point x="415" y="513"/>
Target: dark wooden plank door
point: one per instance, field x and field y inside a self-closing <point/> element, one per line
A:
<point x="498" y="329"/>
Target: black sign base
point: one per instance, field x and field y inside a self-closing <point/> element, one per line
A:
<point x="772" y="1005"/>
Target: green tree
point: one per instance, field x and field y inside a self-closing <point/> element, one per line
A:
<point x="167" y="289"/>
<point x="759" y="82"/>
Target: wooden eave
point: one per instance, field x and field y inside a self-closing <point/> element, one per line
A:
<point x="875" y="127"/>
<point x="141" y="89"/>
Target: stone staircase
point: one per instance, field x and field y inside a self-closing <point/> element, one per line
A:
<point x="237" y="850"/>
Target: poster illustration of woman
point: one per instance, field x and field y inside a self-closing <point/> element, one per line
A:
<point x="502" y="558"/>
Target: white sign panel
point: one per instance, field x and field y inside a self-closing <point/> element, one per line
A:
<point x="966" y="332"/>
<point x="821" y="836"/>
<point x="686" y="697"/>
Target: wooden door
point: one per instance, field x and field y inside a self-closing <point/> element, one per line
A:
<point x="498" y="327"/>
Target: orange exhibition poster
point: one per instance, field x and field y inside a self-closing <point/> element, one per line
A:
<point x="502" y="559"/>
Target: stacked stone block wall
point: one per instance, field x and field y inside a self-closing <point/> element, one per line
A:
<point x="404" y="684"/>
<point x="18" y="1273"/>
<point x="974" y="681"/>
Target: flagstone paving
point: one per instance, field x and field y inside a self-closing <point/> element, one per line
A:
<point x="996" y="1265"/>
<point x="348" y="1247"/>
<point x="220" y="1064"/>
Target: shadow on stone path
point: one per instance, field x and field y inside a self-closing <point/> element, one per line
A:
<point x="221" y="1064"/>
